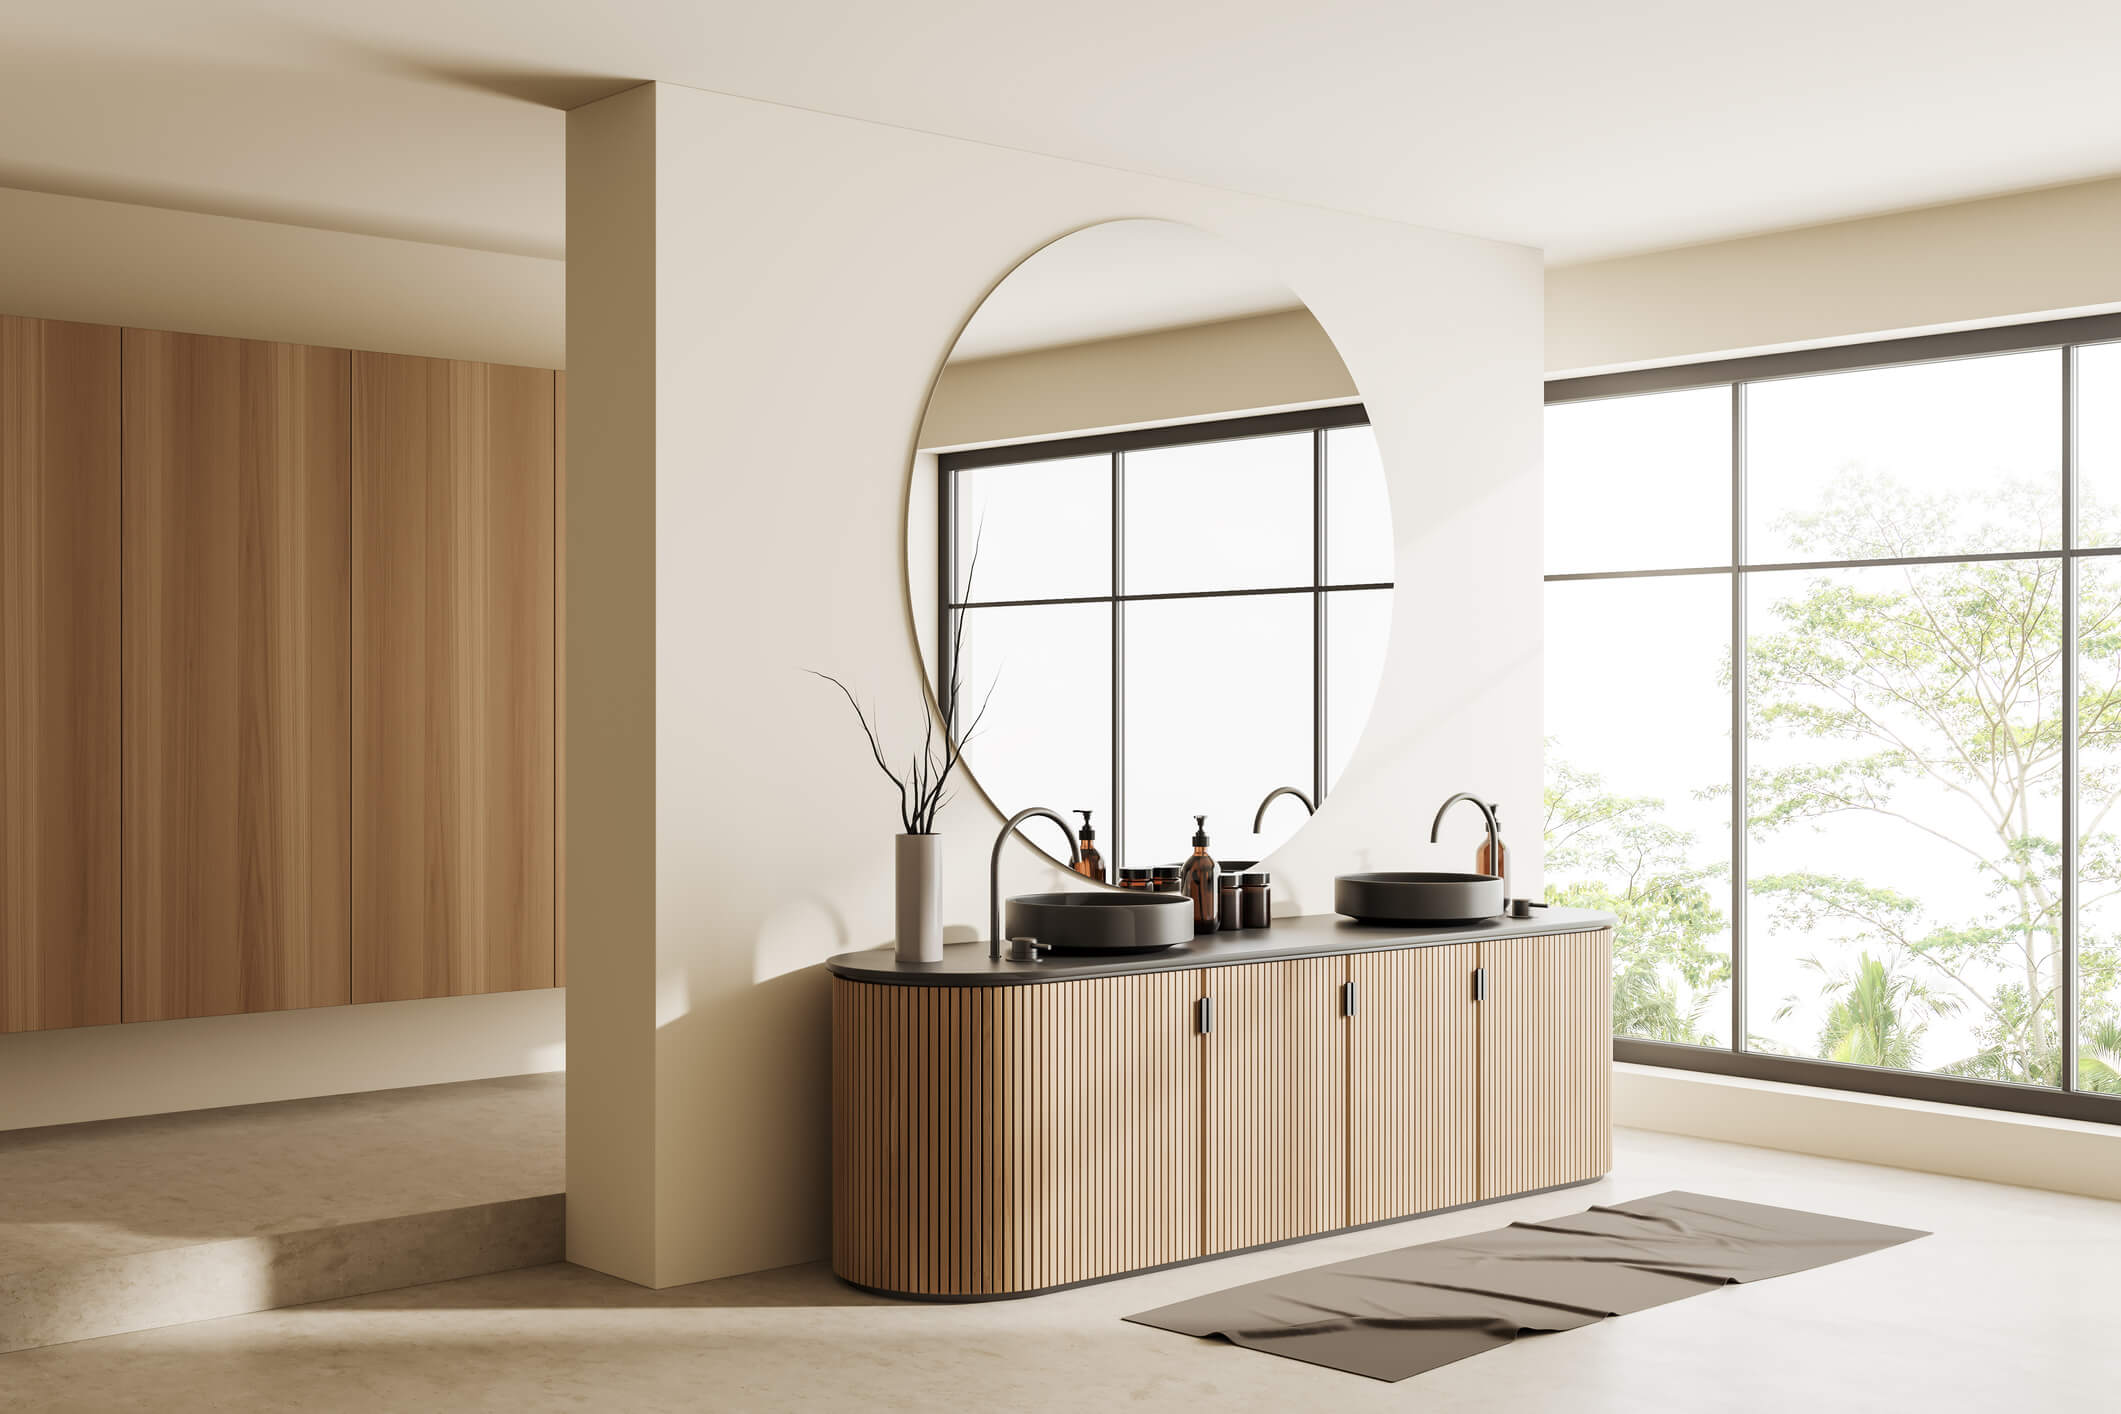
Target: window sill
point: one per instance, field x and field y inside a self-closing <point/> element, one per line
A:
<point x="1994" y="1146"/>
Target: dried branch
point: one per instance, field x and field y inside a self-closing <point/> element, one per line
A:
<point x="923" y="788"/>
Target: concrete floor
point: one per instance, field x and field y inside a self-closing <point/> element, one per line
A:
<point x="129" y="1224"/>
<point x="78" y="1192"/>
<point x="2008" y="1308"/>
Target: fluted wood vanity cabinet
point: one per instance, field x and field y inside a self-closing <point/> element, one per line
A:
<point x="1001" y="1129"/>
<point x="1414" y="1081"/>
<point x="1274" y="1057"/>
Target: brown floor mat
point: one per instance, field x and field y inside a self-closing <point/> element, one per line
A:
<point x="1395" y="1314"/>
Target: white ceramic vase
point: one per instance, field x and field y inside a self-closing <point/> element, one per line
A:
<point x="920" y="898"/>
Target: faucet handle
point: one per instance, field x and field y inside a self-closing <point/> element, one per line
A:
<point x="1026" y="949"/>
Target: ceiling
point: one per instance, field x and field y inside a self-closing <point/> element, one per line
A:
<point x="1124" y="277"/>
<point x="1589" y="130"/>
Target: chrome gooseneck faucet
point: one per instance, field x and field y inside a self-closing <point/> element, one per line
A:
<point x="1260" y="814"/>
<point x="1487" y="814"/>
<point x="994" y="871"/>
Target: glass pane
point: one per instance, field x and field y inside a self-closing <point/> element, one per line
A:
<point x="2099" y="445"/>
<point x="1639" y="483"/>
<point x="1358" y="509"/>
<point x="1218" y="713"/>
<point x="2098" y="828"/>
<point x="1962" y="457"/>
<point x="1905" y="756"/>
<point x="1042" y="530"/>
<point x="1358" y="623"/>
<point x="1046" y="736"/>
<point x="1220" y="515"/>
<point x="1638" y="769"/>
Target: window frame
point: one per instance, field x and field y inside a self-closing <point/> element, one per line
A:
<point x="1115" y="446"/>
<point x="2066" y="336"/>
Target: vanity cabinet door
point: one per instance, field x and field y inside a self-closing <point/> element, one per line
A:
<point x="1413" y="1082"/>
<point x="1276" y="1141"/>
<point x="997" y="1140"/>
<point x="1546" y="1062"/>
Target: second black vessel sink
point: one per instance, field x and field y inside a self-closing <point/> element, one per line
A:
<point x="1101" y="922"/>
<point x="1418" y="897"/>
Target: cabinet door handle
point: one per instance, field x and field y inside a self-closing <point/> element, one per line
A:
<point x="1204" y="1014"/>
<point x="1480" y="984"/>
<point x="1347" y="999"/>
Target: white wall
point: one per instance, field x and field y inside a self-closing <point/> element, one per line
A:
<point x="108" y="263"/>
<point x="2034" y="254"/>
<point x="805" y="298"/>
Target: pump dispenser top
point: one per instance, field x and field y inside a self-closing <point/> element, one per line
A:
<point x="1200" y="832"/>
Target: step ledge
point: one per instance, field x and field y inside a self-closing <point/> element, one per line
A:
<point x="235" y="1276"/>
<point x="1994" y="1146"/>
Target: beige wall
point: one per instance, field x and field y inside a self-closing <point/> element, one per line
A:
<point x="612" y="628"/>
<point x="804" y="300"/>
<point x="1267" y="361"/>
<point x="108" y="263"/>
<point x="2034" y="254"/>
<point x="65" y="257"/>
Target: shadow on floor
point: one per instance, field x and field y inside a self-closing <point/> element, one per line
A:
<point x="565" y="1286"/>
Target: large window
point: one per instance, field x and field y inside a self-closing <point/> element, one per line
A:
<point x="1834" y="710"/>
<point x="1166" y="623"/>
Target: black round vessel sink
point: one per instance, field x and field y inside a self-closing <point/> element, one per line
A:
<point x="1101" y="922"/>
<point x="1418" y="897"/>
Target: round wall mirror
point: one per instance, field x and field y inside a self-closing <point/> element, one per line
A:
<point x="1149" y="546"/>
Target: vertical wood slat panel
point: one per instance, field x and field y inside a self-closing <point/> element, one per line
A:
<point x="453" y="675"/>
<point x="59" y="674"/>
<point x="1546" y="1062"/>
<point x="1414" y="1091"/>
<point x="998" y="1139"/>
<point x="1276" y="1143"/>
<point x="236" y="689"/>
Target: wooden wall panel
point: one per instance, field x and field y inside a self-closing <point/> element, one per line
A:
<point x="989" y="1140"/>
<point x="236" y="687"/>
<point x="1413" y="1082"/>
<point x="1546" y="1062"/>
<point x="59" y="671"/>
<point x="1276" y="1103"/>
<point x="453" y="857"/>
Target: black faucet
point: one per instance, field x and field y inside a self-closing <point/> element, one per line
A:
<point x="1261" y="814"/>
<point x="1487" y="814"/>
<point x="994" y="871"/>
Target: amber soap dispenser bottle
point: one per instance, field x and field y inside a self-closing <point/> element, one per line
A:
<point x="1199" y="879"/>
<point x="1093" y="863"/>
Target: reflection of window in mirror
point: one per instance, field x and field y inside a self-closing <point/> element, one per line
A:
<point x="1170" y="622"/>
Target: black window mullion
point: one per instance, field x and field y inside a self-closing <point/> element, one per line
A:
<point x="1119" y="661"/>
<point x="1739" y="891"/>
<point x="2066" y="930"/>
<point x="1318" y="615"/>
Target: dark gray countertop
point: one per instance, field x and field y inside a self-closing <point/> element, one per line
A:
<point x="1313" y="935"/>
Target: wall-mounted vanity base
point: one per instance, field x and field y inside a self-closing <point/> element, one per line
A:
<point x="1006" y="1132"/>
